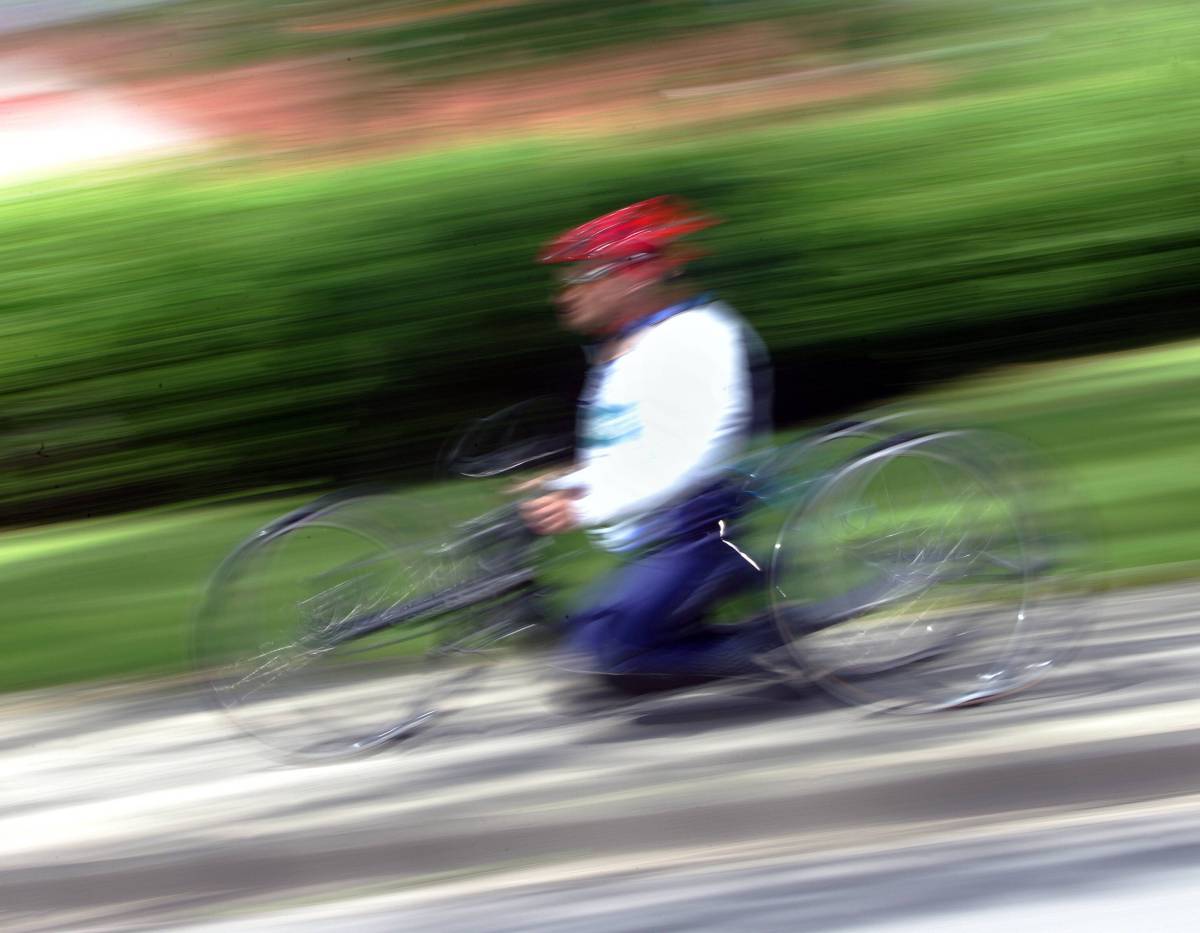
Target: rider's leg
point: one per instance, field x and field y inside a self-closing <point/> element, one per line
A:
<point x="646" y="620"/>
<point x="712" y="654"/>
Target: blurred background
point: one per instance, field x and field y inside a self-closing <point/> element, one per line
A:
<point x="251" y="250"/>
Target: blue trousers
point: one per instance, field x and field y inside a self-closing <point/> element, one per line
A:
<point x="648" y="616"/>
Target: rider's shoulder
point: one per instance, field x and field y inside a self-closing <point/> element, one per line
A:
<point x="711" y="321"/>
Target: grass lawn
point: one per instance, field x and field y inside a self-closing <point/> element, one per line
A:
<point x="1123" y="429"/>
<point x="114" y="596"/>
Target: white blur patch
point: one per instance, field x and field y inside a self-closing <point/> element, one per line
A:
<point x="52" y="122"/>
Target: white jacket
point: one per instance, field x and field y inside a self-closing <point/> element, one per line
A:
<point x="661" y="421"/>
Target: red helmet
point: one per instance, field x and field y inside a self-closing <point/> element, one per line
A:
<point x="641" y="231"/>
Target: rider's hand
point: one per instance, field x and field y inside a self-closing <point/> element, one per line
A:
<point x="551" y="514"/>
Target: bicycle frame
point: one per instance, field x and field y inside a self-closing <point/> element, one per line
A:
<point x="762" y="477"/>
<point x="514" y="577"/>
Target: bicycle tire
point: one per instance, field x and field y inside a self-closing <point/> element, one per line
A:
<point x="271" y="637"/>
<point x="954" y="609"/>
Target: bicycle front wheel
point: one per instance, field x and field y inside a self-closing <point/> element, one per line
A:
<point x="319" y="636"/>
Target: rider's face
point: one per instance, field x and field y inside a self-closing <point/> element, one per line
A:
<point x="595" y="295"/>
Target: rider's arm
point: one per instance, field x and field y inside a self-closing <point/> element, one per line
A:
<point x="693" y="412"/>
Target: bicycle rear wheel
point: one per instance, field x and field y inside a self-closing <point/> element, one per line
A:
<point x="294" y="636"/>
<point x="945" y="566"/>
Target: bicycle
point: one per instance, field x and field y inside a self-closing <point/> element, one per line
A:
<point x="907" y="570"/>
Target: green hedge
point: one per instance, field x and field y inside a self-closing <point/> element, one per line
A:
<point x="176" y="335"/>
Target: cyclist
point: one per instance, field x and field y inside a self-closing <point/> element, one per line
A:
<point x="676" y="386"/>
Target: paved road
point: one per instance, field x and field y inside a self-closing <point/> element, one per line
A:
<point x="1075" y="807"/>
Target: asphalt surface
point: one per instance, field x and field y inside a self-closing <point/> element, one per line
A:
<point x="1072" y="806"/>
